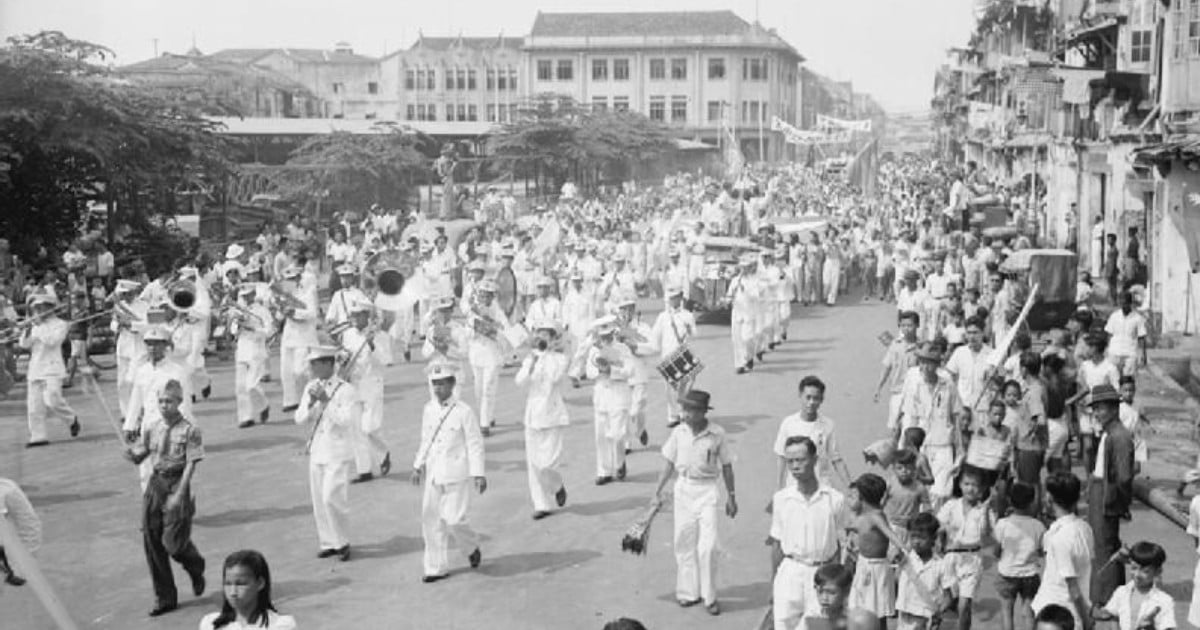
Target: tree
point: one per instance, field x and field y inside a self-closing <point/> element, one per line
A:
<point x="71" y="133"/>
<point x="556" y="136"/>
<point x="354" y="171"/>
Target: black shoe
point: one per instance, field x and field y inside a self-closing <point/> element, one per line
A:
<point x="408" y="355"/>
<point x="13" y="579"/>
<point x="760" y="356"/>
<point x="75" y="427"/>
<point x="644" y="438"/>
<point x="486" y="431"/>
<point x="193" y="399"/>
<point x="290" y="408"/>
<point x="603" y="481"/>
<point x="363" y="477"/>
<point x="741" y="370"/>
<point x="162" y="609"/>
<point x="264" y="416"/>
<point x="327" y="553"/>
<point x="430" y="579"/>
<point x="688" y="603"/>
<point x="344" y="554"/>
<point x="245" y="424"/>
<point x="713" y="609"/>
<point x="37" y="443"/>
<point x="750" y="364"/>
<point x="206" y="392"/>
<point x="784" y="335"/>
<point x="560" y="497"/>
<point x="621" y="472"/>
<point x="198" y="585"/>
<point x="475" y="558"/>
<point x="540" y="514"/>
<point x="386" y="466"/>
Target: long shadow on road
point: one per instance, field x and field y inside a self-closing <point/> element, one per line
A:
<point x="535" y="561"/>
<point x="230" y="518"/>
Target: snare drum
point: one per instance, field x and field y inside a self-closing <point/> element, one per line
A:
<point x="679" y="365"/>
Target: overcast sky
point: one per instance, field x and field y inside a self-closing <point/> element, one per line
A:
<point x="888" y="48"/>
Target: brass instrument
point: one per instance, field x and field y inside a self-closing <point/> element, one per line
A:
<point x="243" y="316"/>
<point x="19" y="328"/>
<point x="481" y="322"/>
<point x="285" y="299"/>
<point x="181" y="295"/>
<point x="387" y="271"/>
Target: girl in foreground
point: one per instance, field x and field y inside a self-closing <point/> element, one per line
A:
<point x="247" y="587"/>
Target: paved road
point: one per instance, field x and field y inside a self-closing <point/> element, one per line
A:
<point x="566" y="571"/>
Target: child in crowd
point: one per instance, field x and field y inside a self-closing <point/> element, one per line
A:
<point x="1054" y="617"/>
<point x="1131" y="416"/>
<point x="247" y="604"/>
<point x="98" y="295"/>
<point x="874" y="585"/>
<point x="925" y="581"/>
<point x="1019" y="538"/>
<point x="955" y="330"/>
<point x="1139" y="604"/>
<point x="914" y="439"/>
<point x="832" y="583"/>
<point x="996" y="429"/>
<point x="907" y="496"/>
<point x="966" y="523"/>
<point x="971" y="306"/>
<point x="1011" y="369"/>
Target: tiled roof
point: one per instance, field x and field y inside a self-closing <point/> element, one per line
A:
<point x="241" y="55"/>
<point x="473" y="43"/>
<point x="639" y="24"/>
<point x="308" y="55"/>
<point x="191" y="66"/>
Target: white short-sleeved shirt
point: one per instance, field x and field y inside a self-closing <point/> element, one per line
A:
<point x="15" y="506"/>
<point x="698" y="457"/>
<point x="1125" y="331"/>
<point x="808" y="528"/>
<point x="1020" y="539"/>
<point x="1068" y="544"/>
<point x="820" y="431"/>
<point x="964" y="525"/>
<point x="970" y="370"/>
<point x="1156" y="605"/>
<point x="275" y="621"/>
<point x="934" y="575"/>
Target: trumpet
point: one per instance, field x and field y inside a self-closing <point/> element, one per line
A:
<point x="285" y="299"/>
<point x="242" y="315"/>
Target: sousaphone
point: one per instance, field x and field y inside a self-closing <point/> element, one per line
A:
<point x="387" y="271"/>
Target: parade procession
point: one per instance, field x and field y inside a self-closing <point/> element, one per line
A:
<point x="382" y="354"/>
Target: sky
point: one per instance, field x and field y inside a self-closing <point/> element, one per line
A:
<point x="888" y="48"/>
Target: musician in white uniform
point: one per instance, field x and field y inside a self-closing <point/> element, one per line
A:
<point x="195" y="324"/>
<point x="545" y="307"/>
<point x="150" y="377"/>
<point x="484" y="352"/>
<point x="299" y="334"/>
<point x="766" y="313"/>
<point x="673" y="329"/>
<point x="782" y="296"/>
<point x="449" y="461"/>
<point x="676" y="273"/>
<point x="636" y="336"/>
<point x="332" y="407"/>
<point x="618" y="282"/>
<point x="474" y="275"/>
<point x="611" y="365"/>
<point x="579" y="310"/>
<point x="364" y="369"/>
<point x="46" y="370"/>
<point x="338" y="315"/>
<point x="544" y="371"/>
<point x="744" y="294"/>
<point x="252" y="327"/>
<point x="129" y="322"/>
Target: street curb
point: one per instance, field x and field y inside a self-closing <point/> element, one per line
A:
<point x="1153" y="497"/>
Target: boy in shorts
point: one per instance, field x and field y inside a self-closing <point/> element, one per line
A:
<point x="966" y="522"/>
<point x="925" y="581"/>
<point x="1139" y="604"/>
<point x="874" y="585"/>
<point x="1019" y="538"/>
<point x="907" y="496"/>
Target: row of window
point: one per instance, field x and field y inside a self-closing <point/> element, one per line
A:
<point x="659" y="69"/>
<point x="675" y="109"/>
<point x="460" y="79"/>
<point x="1186" y="28"/>
<point x="460" y="112"/>
<point x="340" y="88"/>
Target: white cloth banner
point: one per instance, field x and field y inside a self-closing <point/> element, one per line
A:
<point x="825" y="122"/>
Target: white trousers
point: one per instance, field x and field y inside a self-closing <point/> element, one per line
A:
<point x="44" y="398"/>
<point x="830" y="281"/>
<point x="293" y="373"/>
<point x="611" y="423"/>
<point x="673" y="409"/>
<point x="329" y="487"/>
<point x="487" y="380"/>
<point x="124" y="383"/>
<point x="696" y="539"/>
<point x="367" y="443"/>
<point x="794" y="592"/>
<point x="637" y="412"/>
<point x="444" y="516"/>
<point x="247" y="389"/>
<point x="543" y="457"/>
<point x="743" y="334"/>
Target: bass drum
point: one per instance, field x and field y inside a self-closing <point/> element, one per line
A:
<point x="506" y="290"/>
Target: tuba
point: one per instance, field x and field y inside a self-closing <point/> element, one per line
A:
<point x="181" y="295"/>
<point x="387" y="271"/>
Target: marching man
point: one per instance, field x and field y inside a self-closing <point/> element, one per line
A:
<point x="636" y="336"/>
<point x="150" y="376"/>
<point x="195" y="326"/>
<point x="544" y="371"/>
<point x="128" y="314"/>
<point x="699" y="452"/>
<point x="446" y="339"/>
<point x="338" y="315"/>
<point x="449" y="461"/>
<point x="252" y="329"/>
<point x="364" y="368"/>
<point x="299" y="334"/>
<point x="545" y="307"/>
<point x="672" y="330"/>
<point x="743" y="292"/>
<point x="484" y="353"/>
<point x="46" y="371"/>
<point x="781" y="296"/>
<point x="333" y="407"/>
<point x="610" y="364"/>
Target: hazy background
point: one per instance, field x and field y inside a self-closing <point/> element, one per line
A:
<point x="888" y="48"/>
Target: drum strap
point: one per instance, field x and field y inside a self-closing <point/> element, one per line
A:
<point x="675" y="329"/>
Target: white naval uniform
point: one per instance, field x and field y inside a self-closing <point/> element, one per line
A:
<point x="545" y="417"/>
<point x="643" y="352"/>
<point x="299" y="334"/>
<point x="610" y="401"/>
<point x="44" y="376"/>
<point x="549" y="310"/>
<point x="149" y="379"/>
<point x="331" y="458"/>
<point x="699" y="461"/>
<point x="782" y="296"/>
<point x="671" y="330"/>
<point x="130" y="350"/>
<point x="676" y="275"/>
<point x="578" y="311"/>
<point x="197" y="328"/>
<point x="767" y="314"/>
<point x="367" y="376"/>
<point x="744" y="293"/>
<point x="451" y="454"/>
<point x="486" y="358"/>
<point x="339" y="305"/>
<point x="250" y="357"/>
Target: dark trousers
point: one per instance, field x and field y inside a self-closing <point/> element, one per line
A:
<point x="167" y="534"/>
<point x="1106" y="531"/>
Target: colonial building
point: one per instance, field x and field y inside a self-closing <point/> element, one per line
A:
<point x="694" y="71"/>
<point x="455" y="79"/>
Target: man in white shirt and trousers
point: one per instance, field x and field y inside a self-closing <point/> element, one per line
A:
<point x="484" y="352"/>
<point x="150" y="377"/>
<point x="610" y="365"/>
<point x="46" y="371"/>
<point x="299" y="334"/>
<point x="332" y="407"/>
<point x="129" y="323"/>
<point x="672" y="330"/>
<point x="364" y="369"/>
<point x="744" y="293"/>
<point x="449" y="461"/>
<point x="252" y="330"/>
<point x="544" y="371"/>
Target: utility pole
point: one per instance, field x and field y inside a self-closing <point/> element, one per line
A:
<point x="155" y="40"/>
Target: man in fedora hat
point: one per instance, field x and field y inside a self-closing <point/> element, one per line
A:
<point x="449" y="461"/>
<point x="1110" y="491"/>
<point x="698" y="452"/>
<point x="333" y="407"/>
<point x="931" y="402"/>
<point x="43" y="338"/>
